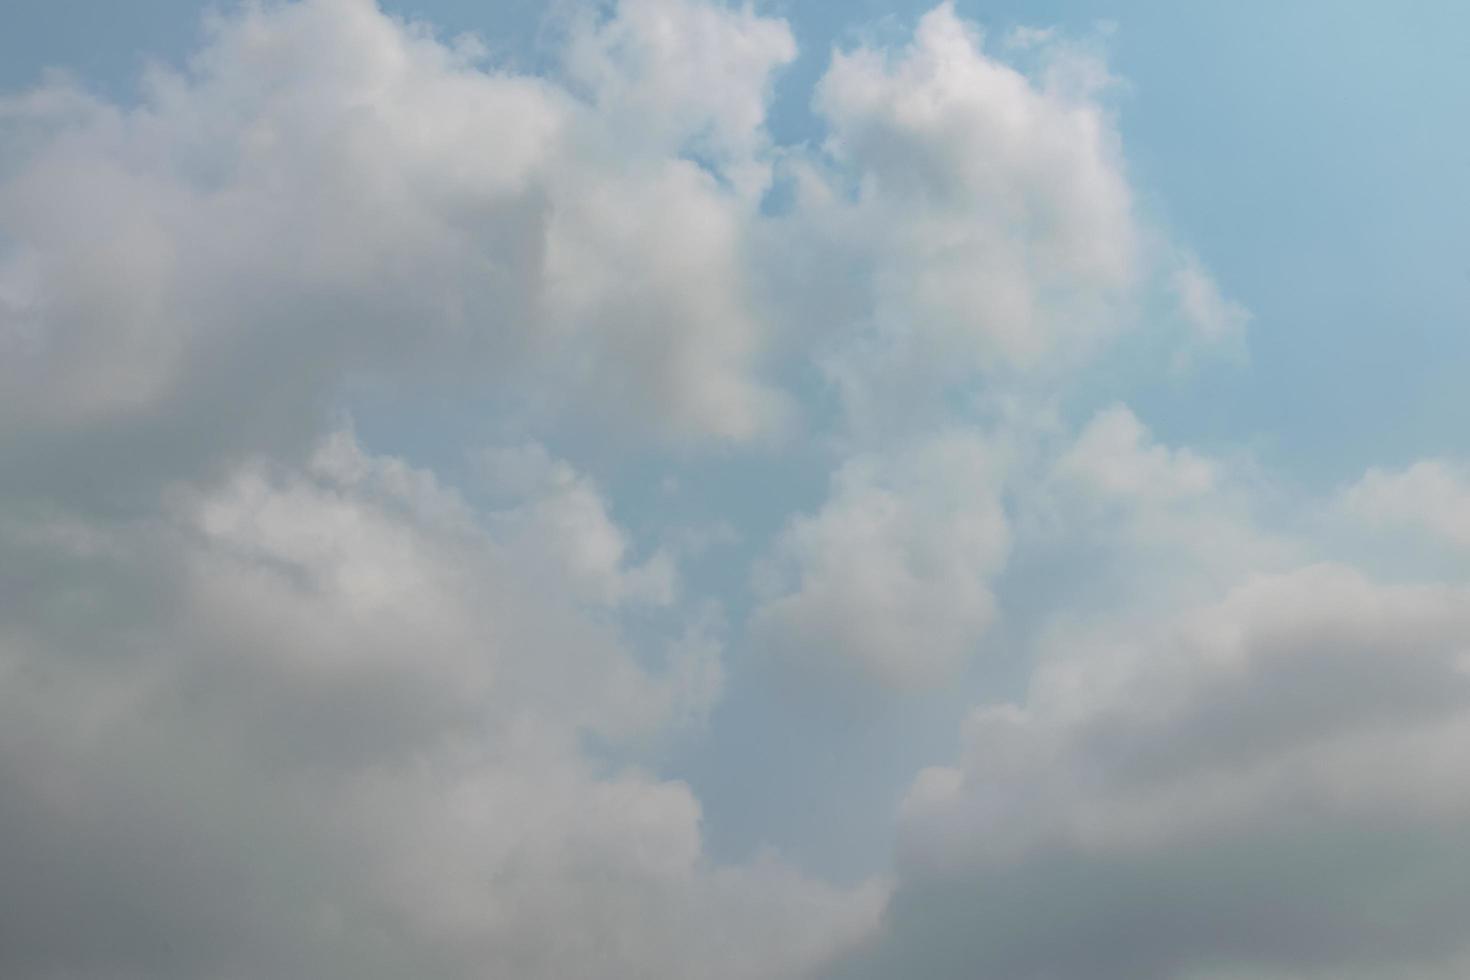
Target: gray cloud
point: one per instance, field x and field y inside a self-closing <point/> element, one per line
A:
<point x="1267" y="784"/>
<point x="274" y="703"/>
<point x="323" y="726"/>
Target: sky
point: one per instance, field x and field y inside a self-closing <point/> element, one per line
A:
<point x="788" y="491"/>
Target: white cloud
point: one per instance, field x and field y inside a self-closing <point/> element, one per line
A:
<point x="692" y="77"/>
<point x="326" y="179"/>
<point x="1266" y="783"/>
<point x="1306" y="669"/>
<point x="591" y="246"/>
<point x="323" y="726"/>
<point x="892" y="576"/>
<point x="1125" y="521"/>
<point x="1214" y="321"/>
<point x="1115" y="456"/>
<point x="1214" y="317"/>
<point x="556" y="512"/>
<point x="991" y="208"/>
<point x="273" y="704"/>
<point x="1431" y="496"/>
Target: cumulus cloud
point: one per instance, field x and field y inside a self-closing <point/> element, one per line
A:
<point x="1117" y="519"/>
<point x="554" y="511"/>
<point x="965" y="223"/>
<point x="1432" y="496"/>
<point x="1114" y="456"/>
<point x="1263" y="785"/>
<point x="1215" y="318"/>
<point x="321" y="725"/>
<point x="325" y="178"/>
<point x="991" y="207"/>
<point x="893" y="573"/>
<point x="1216" y="324"/>
<point x="686" y="76"/>
<point x="277" y="702"/>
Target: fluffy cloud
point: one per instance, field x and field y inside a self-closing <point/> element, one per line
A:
<point x="1265" y="784"/>
<point x="991" y="207"/>
<point x="965" y="224"/>
<point x="556" y="512"/>
<point x="321" y="725"/>
<point x="893" y="573"/>
<point x="326" y="179"/>
<point x="273" y="704"/>
<point x="1115" y="457"/>
<point x="686" y="77"/>
<point x="276" y="703"/>
<point x="1214" y="319"/>
<point x="1431" y="496"/>
<point x="964" y="221"/>
<point x="1121" y="520"/>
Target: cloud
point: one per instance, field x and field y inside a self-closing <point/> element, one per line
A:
<point x="555" y="511"/>
<point x="321" y="724"/>
<point x="693" y="77"/>
<point x="1115" y="519"/>
<point x="275" y="702"/>
<point x="1215" y="323"/>
<point x="1214" y="319"/>
<point x="992" y="207"/>
<point x="593" y="247"/>
<point x="325" y="179"/>
<point x="892" y="574"/>
<point x="1432" y="496"/>
<point x="1114" y="457"/>
<point x="1262" y="784"/>
<point x="964" y="225"/>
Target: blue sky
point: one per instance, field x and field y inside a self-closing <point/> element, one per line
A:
<point x="671" y="488"/>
